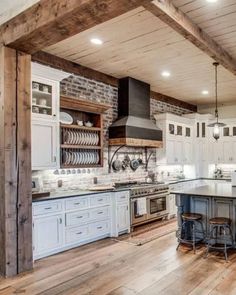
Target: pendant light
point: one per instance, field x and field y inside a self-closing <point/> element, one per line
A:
<point x="216" y="125"/>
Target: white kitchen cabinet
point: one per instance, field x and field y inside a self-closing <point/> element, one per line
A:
<point x="229" y="150"/>
<point x="120" y="213"/>
<point x="47" y="234"/>
<point x="123" y="217"/>
<point x="177" y="139"/>
<point x="45" y="145"/>
<point x="45" y="98"/>
<point x="70" y="222"/>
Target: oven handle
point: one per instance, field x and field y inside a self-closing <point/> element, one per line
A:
<point x="167" y="193"/>
<point x="158" y="196"/>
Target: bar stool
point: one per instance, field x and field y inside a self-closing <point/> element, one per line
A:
<point x="217" y="225"/>
<point x="188" y="230"/>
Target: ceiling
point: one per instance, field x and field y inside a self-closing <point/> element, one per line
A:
<point x="10" y="8"/>
<point x="140" y="45"/>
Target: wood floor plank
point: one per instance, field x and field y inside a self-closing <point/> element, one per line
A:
<point x="114" y="268"/>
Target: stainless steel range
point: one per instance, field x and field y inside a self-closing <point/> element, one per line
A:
<point x="149" y="201"/>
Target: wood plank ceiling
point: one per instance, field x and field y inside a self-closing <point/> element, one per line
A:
<point x="140" y="45"/>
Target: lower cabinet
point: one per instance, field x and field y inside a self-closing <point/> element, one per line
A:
<point x="120" y="213"/>
<point x="62" y="224"/>
<point x="47" y="234"/>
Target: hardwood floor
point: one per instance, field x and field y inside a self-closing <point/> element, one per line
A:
<point x="115" y="268"/>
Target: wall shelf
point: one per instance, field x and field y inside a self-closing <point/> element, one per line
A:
<point x="77" y="140"/>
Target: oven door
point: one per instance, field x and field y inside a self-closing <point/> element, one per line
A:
<point x="157" y="205"/>
<point x="135" y="218"/>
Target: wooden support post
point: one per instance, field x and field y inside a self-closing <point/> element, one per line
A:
<point x="15" y="159"/>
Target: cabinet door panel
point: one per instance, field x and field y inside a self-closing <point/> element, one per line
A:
<point x="123" y="217"/>
<point x="48" y="233"/>
<point x="202" y="206"/>
<point x="44" y="145"/>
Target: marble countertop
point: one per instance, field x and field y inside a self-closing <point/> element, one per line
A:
<point x="225" y="190"/>
<point x="73" y="193"/>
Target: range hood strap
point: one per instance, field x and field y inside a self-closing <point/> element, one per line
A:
<point x="148" y="157"/>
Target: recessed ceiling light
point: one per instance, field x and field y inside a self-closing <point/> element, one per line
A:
<point x="211" y="1"/>
<point x="96" y="41"/>
<point x="205" y="92"/>
<point x="165" y="74"/>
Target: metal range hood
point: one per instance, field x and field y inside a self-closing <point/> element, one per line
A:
<point x="133" y="126"/>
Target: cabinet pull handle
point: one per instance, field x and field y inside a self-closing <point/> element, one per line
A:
<point x="123" y="197"/>
<point x="54" y="159"/>
<point x="80" y="216"/>
<point x="100" y="212"/>
<point x="77" y="203"/>
<point x="99" y="227"/>
<point x="100" y="200"/>
<point x="60" y="220"/>
<point x="48" y="208"/>
<point x="79" y="233"/>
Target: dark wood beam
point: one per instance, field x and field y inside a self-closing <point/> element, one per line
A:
<point x="181" y="23"/>
<point x="173" y="101"/>
<point x="74" y="68"/>
<point x="15" y="159"/>
<point x="50" y="21"/>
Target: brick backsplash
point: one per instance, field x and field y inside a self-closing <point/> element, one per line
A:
<point x="83" y="88"/>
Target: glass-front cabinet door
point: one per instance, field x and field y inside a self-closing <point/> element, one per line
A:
<point x="44" y="94"/>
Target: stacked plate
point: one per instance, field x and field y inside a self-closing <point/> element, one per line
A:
<point x="80" y="157"/>
<point x="80" y="138"/>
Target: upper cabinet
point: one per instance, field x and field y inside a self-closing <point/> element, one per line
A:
<point x="45" y="102"/>
<point x="45" y="117"/>
<point x="177" y="139"/>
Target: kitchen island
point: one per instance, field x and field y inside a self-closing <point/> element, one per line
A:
<point x="213" y="200"/>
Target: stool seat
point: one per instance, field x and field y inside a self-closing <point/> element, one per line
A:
<point x="220" y="221"/>
<point x="191" y="216"/>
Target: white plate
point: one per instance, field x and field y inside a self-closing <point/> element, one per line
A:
<point x="66" y="118"/>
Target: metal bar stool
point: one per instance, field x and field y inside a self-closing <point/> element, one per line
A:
<point x="217" y="226"/>
<point x="188" y="231"/>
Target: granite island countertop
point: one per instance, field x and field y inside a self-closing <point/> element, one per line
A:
<point x="225" y="190"/>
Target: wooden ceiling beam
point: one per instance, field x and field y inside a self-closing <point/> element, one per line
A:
<point x="181" y="23"/>
<point x="74" y="68"/>
<point x="51" y="21"/>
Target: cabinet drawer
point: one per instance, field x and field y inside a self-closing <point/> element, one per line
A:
<point x="77" y="203"/>
<point x="77" y="234"/>
<point x="77" y="217"/>
<point x="100" y="213"/>
<point x="100" y="228"/>
<point x="98" y="200"/>
<point x="47" y="208"/>
<point x="122" y="197"/>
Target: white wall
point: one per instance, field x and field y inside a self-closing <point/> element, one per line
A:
<point x="225" y="110"/>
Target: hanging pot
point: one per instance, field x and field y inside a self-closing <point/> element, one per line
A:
<point x="134" y="164"/>
<point x="117" y="165"/>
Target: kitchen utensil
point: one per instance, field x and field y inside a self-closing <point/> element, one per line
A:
<point x="66" y="118"/>
<point x="134" y="164"/>
<point x="35" y="109"/>
<point x="125" y="162"/>
<point x="35" y="86"/>
<point x="117" y="165"/>
<point x="43" y="102"/>
<point x="88" y="124"/>
<point x="45" y="88"/>
<point x="80" y="123"/>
